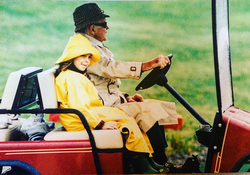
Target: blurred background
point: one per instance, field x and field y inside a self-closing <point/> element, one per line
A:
<point x="35" y="33"/>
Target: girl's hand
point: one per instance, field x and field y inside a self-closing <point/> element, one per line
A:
<point x="110" y="125"/>
<point x="135" y="98"/>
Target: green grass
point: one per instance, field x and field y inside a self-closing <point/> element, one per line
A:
<point x="34" y="33"/>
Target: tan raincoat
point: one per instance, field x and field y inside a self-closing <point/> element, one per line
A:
<point x="106" y="75"/>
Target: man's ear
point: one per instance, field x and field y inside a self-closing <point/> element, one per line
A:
<point x="92" y="29"/>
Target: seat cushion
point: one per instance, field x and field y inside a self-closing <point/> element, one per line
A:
<point x="105" y="139"/>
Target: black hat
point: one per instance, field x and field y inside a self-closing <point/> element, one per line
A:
<point x="87" y="14"/>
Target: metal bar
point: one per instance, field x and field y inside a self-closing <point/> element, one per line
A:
<point x="185" y="104"/>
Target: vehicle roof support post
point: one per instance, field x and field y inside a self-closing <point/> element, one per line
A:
<point x="223" y="74"/>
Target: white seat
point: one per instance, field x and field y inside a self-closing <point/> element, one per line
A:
<point x="105" y="139"/>
<point x="46" y="88"/>
<point x="11" y="97"/>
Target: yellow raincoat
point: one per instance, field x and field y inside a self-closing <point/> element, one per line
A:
<point x="74" y="90"/>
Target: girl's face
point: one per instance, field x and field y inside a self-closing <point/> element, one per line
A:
<point x="82" y="62"/>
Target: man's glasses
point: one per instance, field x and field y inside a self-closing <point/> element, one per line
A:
<point x="102" y="24"/>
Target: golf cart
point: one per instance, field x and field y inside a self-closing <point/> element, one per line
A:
<point x="31" y="91"/>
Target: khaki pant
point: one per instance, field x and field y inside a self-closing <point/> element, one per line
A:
<point x="150" y="111"/>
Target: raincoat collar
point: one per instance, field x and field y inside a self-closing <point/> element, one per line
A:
<point x="74" y="68"/>
<point x="93" y="40"/>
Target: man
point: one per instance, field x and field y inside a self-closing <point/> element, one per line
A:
<point x="90" y="21"/>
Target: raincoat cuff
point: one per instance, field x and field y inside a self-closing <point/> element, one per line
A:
<point x="135" y="69"/>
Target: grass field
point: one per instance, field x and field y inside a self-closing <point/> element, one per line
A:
<point x="34" y="33"/>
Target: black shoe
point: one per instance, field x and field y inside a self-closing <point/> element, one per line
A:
<point x="154" y="164"/>
<point x="161" y="168"/>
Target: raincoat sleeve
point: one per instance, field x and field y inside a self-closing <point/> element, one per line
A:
<point x="71" y="93"/>
<point x="109" y="68"/>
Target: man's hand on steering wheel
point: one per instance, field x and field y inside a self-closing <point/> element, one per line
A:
<point x="160" y="61"/>
<point x="156" y="76"/>
<point x="135" y="98"/>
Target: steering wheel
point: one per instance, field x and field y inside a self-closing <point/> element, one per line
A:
<point x="156" y="76"/>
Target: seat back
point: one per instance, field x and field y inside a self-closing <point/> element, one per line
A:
<point x="46" y="88"/>
<point x="20" y="89"/>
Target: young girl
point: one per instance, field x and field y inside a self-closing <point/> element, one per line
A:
<point x="74" y="90"/>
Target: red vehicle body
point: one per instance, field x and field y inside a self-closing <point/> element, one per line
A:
<point x="235" y="148"/>
<point x="60" y="157"/>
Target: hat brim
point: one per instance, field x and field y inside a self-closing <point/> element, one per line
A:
<point x="78" y="52"/>
<point x="84" y="23"/>
<point x="73" y="52"/>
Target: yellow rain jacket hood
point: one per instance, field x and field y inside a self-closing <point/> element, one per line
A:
<point x="79" y="45"/>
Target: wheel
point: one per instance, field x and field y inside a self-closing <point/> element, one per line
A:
<point x="242" y="165"/>
<point x="18" y="167"/>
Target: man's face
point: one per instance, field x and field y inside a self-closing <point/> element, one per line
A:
<point x="100" y="30"/>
